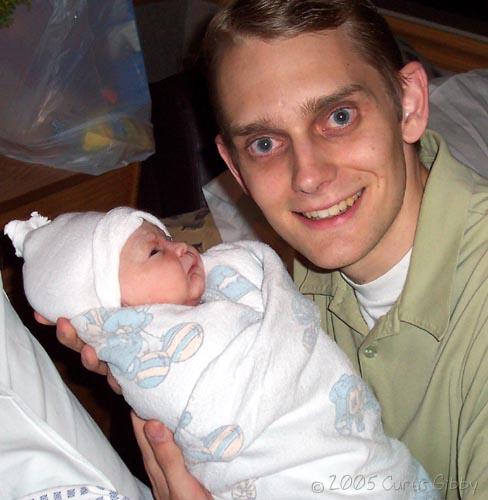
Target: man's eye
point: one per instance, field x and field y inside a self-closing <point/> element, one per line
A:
<point x="262" y="146"/>
<point x="154" y="251"/>
<point x="341" y="117"/>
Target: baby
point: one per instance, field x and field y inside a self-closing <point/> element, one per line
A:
<point x="225" y="351"/>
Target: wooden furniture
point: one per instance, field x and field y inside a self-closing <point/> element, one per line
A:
<point x="26" y="187"/>
<point x="443" y="46"/>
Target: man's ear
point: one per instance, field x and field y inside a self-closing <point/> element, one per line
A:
<point x="227" y="157"/>
<point x="415" y="101"/>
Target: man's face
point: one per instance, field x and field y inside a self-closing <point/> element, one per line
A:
<point x="154" y="270"/>
<point x="318" y="145"/>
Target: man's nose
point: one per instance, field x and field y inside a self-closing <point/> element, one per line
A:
<point x="313" y="169"/>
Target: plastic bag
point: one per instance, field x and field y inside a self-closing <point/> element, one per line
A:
<point x="73" y="88"/>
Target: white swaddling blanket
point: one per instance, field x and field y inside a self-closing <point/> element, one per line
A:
<point x="262" y="402"/>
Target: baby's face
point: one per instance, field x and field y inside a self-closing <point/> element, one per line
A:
<point x="154" y="270"/>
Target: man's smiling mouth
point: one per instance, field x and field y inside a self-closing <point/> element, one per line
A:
<point x="334" y="210"/>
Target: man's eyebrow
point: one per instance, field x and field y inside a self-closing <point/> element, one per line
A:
<point x="263" y="125"/>
<point x="312" y="106"/>
<point x="317" y="104"/>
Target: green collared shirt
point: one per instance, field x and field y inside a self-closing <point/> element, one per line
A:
<point x="427" y="359"/>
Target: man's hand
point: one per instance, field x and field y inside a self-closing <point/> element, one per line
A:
<point x="164" y="463"/>
<point x="66" y="334"/>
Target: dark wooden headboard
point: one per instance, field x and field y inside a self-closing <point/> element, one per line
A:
<point x="445" y="47"/>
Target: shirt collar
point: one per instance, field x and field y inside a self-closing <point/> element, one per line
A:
<point x="427" y="296"/>
<point x="439" y="233"/>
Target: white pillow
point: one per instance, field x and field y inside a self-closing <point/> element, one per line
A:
<point x="47" y="439"/>
<point x="459" y="112"/>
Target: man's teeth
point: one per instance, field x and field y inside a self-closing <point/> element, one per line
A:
<point x="334" y="210"/>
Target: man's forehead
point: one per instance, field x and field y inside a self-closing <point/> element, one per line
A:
<point x="256" y="51"/>
<point x="258" y="79"/>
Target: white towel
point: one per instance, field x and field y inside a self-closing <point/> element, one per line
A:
<point x="262" y="402"/>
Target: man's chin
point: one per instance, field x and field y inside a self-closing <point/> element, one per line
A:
<point x="330" y="261"/>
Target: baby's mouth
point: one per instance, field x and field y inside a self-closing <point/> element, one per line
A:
<point x="187" y="262"/>
<point x="334" y="210"/>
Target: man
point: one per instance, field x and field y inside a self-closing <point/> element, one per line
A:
<point x="320" y="124"/>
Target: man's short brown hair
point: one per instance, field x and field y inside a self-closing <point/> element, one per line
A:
<point x="273" y="19"/>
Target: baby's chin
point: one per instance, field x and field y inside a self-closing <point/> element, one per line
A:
<point x="196" y="298"/>
<point x="193" y="302"/>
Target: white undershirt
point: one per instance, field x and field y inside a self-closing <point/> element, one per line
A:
<point x="377" y="297"/>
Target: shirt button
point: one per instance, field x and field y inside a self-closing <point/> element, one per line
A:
<point x="370" y="351"/>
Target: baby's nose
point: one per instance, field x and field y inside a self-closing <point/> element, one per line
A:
<point x="179" y="247"/>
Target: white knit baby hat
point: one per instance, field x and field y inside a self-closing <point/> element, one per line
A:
<point x="72" y="263"/>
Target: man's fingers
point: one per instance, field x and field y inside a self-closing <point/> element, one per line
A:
<point x="164" y="463"/>
<point x="181" y="484"/>
<point x="90" y="361"/>
<point x="154" y="471"/>
<point x="112" y="382"/>
<point x="41" y="319"/>
<point x="66" y="334"/>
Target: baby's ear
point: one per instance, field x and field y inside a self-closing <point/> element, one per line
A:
<point x="415" y="101"/>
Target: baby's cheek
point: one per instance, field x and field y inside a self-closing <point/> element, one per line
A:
<point x="125" y="292"/>
<point x="198" y="282"/>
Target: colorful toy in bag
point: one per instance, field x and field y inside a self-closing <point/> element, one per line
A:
<point x="73" y="86"/>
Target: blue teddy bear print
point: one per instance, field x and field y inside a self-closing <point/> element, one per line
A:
<point x="126" y="350"/>
<point x="224" y="282"/>
<point x="352" y="399"/>
<point x="308" y="317"/>
<point x="220" y="445"/>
